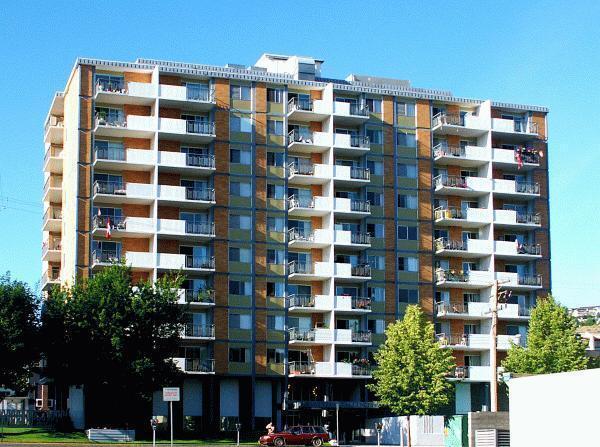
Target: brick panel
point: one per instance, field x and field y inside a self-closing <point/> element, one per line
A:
<point x="85" y="147"/>
<point x="426" y="236"/>
<point x="260" y="226"/>
<point x="86" y="82"/>
<point x="261" y="192"/>
<point x="168" y="212"/>
<point x="165" y="178"/>
<point x="426" y="298"/>
<point x="316" y="94"/>
<point x="133" y="109"/>
<point x="260" y="128"/>
<point x="85" y="113"/>
<point x="136" y="177"/>
<point x="168" y="246"/>
<point x="260" y="356"/>
<point x="169" y="146"/>
<point x="390" y="292"/>
<point x="83" y="214"/>
<point x="167" y="112"/>
<point x="83" y="249"/>
<point x="85" y="176"/>
<point x="260" y="292"/>
<point x="221" y="223"/>
<point x="131" y="76"/>
<point x="221" y="290"/>
<point x="423" y="114"/>
<point x="221" y="356"/>
<point x="137" y="143"/>
<point x="261" y="325"/>
<point x="260" y="259"/>
<point x="425" y="268"/>
<point x="261" y="97"/>
<point x="315" y="126"/>
<point x="222" y="190"/>
<point x="137" y="277"/>
<point x="169" y="80"/>
<point x="135" y="244"/>
<point x="221" y="256"/>
<point x="261" y="161"/>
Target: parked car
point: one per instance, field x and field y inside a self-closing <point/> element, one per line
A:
<point x="298" y="435"/>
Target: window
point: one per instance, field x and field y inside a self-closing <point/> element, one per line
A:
<point x="407" y="233"/>
<point x="406" y="139"/>
<point x="276" y="289"/>
<point x="237" y="254"/>
<point x="377" y="294"/>
<point x="275" y="322"/>
<point x="240" y="222"/>
<point x="375" y="167"/>
<point x="241" y="156"/>
<point x="274" y="127"/>
<point x="405" y="109"/>
<point x="240" y="123"/>
<point x="375" y="136"/>
<point x="375" y="198"/>
<point x="275" y="159"/>
<point x="275" y="224"/>
<point x="240" y="189"/>
<point x="375" y="229"/>
<point x="408" y="201"/>
<point x="242" y="92"/>
<point x="376" y="326"/>
<point x="240" y="321"/>
<point x="275" y="256"/>
<point x="275" y="191"/>
<point x="408" y="264"/>
<point x="237" y="355"/>
<point x="110" y="116"/>
<point x="512" y="329"/>
<point x="275" y="355"/>
<point x="275" y="95"/>
<point x="409" y="296"/>
<point x="377" y="262"/>
<point x="240" y="287"/>
<point x="374" y="105"/>
<point x="109" y="150"/>
<point x="110" y="83"/>
<point x="407" y="170"/>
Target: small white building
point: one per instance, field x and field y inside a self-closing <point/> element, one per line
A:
<point x="555" y="409"/>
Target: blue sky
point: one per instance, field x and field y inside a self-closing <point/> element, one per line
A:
<point x="545" y="53"/>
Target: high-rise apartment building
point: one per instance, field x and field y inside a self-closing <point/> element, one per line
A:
<point x="306" y="213"/>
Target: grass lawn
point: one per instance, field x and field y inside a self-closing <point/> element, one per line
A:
<point x="41" y="435"/>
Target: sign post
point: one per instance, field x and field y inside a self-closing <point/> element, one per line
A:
<point x="154" y="423"/>
<point x="171" y="394"/>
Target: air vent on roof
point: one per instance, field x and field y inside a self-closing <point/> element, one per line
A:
<point x="240" y="66"/>
<point x="255" y="68"/>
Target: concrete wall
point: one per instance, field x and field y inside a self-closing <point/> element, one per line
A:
<point x="76" y="407"/>
<point x="425" y="431"/>
<point x="486" y="420"/>
<point x="555" y="409"/>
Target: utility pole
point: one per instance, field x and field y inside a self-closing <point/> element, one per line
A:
<point x="493" y="352"/>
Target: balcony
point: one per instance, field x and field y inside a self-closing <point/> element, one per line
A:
<point x="53" y="129"/>
<point x="195" y="366"/>
<point x="516" y="220"/>
<point x="309" y="303"/>
<point x="309" y="174"/>
<point x="466" y="218"/>
<point x="199" y="332"/>
<point x="128" y="159"/>
<point x="186" y="197"/>
<point x="515" y="130"/>
<point x="352" y="304"/>
<point x="306" y="110"/>
<point x="132" y="126"/>
<point x="504" y="342"/>
<point x="471" y="279"/>
<point x="120" y="92"/>
<point x="509" y="159"/>
<point x="467" y="156"/>
<point x="105" y="257"/>
<point x="462" y="311"/>
<point x="309" y="271"/>
<point x="304" y="239"/>
<point x="462" y="186"/>
<point x="134" y="227"/>
<point x="188" y="263"/>
<point x="350" y="113"/>
<point x="329" y="369"/>
<point x="308" y="142"/>
<point x="512" y="188"/>
<point x="200" y="98"/>
<point x="471" y="373"/>
<point x="351" y="175"/>
<point x="307" y="337"/>
<point x="351" y="239"/>
<point x="187" y="131"/>
<point x="50" y="278"/>
<point x="308" y="206"/>
<point x="351" y="208"/>
<point x="118" y="192"/>
<point x="464" y="342"/>
<point x="353" y="145"/>
<point x="348" y="272"/>
<point x="516" y="251"/>
<point x="194" y="164"/>
<point x="53" y="161"/>
<point x="183" y="230"/>
<point x="351" y="337"/>
<point x="518" y="281"/>
<point x="203" y="297"/>
<point x="471" y="248"/>
<point x="514" y="312"/>
<point x="52" y="220"/>
<point x="53" y="189"/>
<point x="51" y="250"/>
<point x="464" y="125"/>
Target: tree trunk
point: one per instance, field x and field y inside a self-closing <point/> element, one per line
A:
<point x="409" y="439"/>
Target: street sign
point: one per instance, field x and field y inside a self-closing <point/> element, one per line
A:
<point x="171" y="394"/>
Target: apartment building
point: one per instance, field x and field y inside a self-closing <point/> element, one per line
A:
<point x="306" y="213"/>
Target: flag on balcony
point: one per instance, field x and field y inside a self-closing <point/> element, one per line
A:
<point x="108" y="228"/>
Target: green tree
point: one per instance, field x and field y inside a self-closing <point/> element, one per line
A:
<point x="552" y="343"/>
<point x="412" y="368"/>
<point x="18" y="333"/>
<point x="115" y="338"/>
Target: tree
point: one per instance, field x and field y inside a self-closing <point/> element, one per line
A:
<point x="116" y="339"/>
<point x="18" y="333"/>
<point x="412" y="368"/>
<point x="552" y="343"/>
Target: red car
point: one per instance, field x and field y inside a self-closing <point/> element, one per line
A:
<point x="299" y="435"/>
